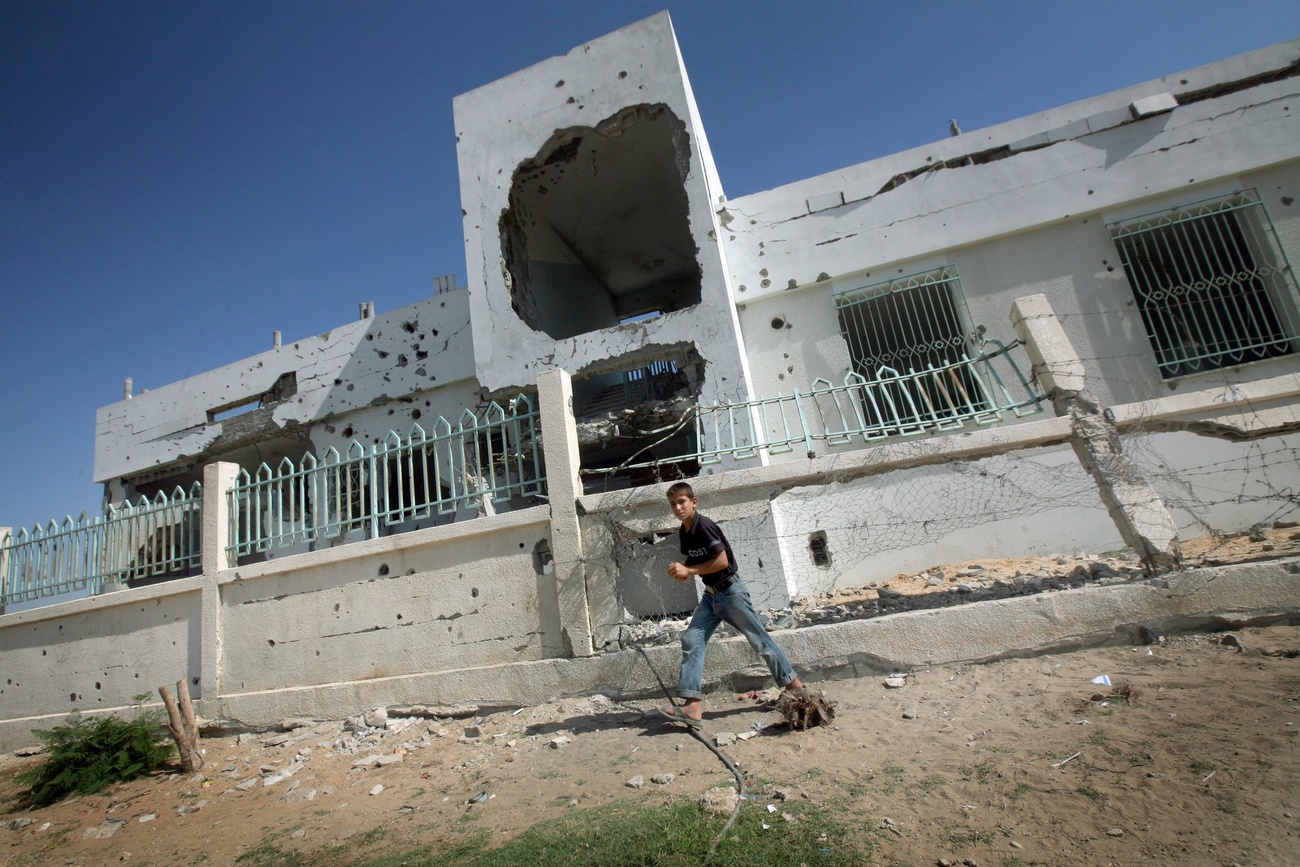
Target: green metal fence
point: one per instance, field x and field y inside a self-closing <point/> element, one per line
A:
<point x="156" y="537"/>
<point x="484" y="459"/>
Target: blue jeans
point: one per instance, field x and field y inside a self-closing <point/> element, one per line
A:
<point x="734" y="606"/>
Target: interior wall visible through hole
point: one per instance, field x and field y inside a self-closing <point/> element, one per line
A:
<point x="597" y="230"/>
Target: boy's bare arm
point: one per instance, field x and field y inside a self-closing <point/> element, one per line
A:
<point x="682" y="572"/>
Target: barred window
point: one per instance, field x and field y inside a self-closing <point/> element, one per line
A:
<point x="1212" y="284"/>
<point x="913" y="334"/>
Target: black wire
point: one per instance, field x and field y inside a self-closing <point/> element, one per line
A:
<point x="743" y="791"/>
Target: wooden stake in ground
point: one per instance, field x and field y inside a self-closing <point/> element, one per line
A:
<point x="183" y="727"/>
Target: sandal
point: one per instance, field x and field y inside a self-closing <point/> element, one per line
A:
<point x="672" y="715"/>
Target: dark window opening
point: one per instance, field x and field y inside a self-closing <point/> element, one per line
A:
<point x="912" y="337"/>
<point x="1212" y="285"/>
<point x="821" y="553"/>
<point x="597" y="231"/>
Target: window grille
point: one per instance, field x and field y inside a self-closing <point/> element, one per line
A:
<point x="912" y="325"/>
<point x="1212" y="284"/>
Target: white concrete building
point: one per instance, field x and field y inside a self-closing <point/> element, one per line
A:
<point x="1158" y="221"/>
<point x="1076" y="331"/>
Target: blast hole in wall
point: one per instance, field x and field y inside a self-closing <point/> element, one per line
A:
<point x="821" y="553"/>
<point x="598" y="228"/>
<point x="383" y="569"/>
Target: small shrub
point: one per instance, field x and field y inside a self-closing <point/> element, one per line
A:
<point x="86" y="756"/>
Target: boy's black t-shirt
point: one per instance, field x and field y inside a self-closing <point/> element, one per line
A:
<point x="701" y="543"/>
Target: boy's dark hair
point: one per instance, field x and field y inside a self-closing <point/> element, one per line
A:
<point x="680" y="488"/>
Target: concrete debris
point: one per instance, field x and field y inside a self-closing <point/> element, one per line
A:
<point x="560" y="741"/>
<point x="101" y="832"/>
<point x="724" y="739"/>
<point x="635" y="782"/>
<point x="377" y="718"/>
<point x="19" y="823"/>
<point x="663" y="779"/>
<point x="377" y="789"/>
<point x="719" y="802"/>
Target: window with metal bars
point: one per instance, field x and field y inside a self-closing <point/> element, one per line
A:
<point x="1212" y="284"/>
<point x="912" y="335"/>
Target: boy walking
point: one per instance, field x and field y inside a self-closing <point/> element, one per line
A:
<point x="708" y="554"/>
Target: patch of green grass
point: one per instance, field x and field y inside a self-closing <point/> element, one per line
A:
<point x="267" y="854"/>
<point x="1099" y="739"/>
<point x="1141" y="760"/>
<point x="1202" y="767"/>
<point x="963" y="837"/>
<point x="813" y="773"/>
<point x="549" y="775"/>
<point x="981" y="772"/>
<point x="1090" y="793"/>
<point x="373" y="836"/>
<point x="1226" y="805"/>
<point x="892" y="777"/>
<point x="926" y="785"/>
<point x="634" y="834"/>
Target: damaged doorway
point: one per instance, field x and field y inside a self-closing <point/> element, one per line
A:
<point x="598" y="227"/>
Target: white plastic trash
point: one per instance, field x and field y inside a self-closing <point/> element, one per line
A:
<point x="1102" y="679"/>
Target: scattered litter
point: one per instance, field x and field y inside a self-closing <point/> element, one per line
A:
<point x="1063" y="761"/>
<point x="771" y="808"/>
<point x="479" y="798"/>
<point x="896" y="680"/>
<point x="518" y="712"/>
<point x="765" y="826"/>
<point x="379" y="787"/>
<point x="1103" y="679"/>
<point x="1207" y="776"/>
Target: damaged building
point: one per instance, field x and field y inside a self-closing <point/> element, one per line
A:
<point x="844" y="362"/>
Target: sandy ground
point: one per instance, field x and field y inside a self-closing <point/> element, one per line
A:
<point x="1023" y="761"/>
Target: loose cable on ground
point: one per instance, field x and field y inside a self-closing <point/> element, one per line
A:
<point x="742" y="790"/>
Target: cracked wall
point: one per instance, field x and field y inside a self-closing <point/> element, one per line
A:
<point x="529" y="130"/>
<point x="98" y="654"/>
<point x="597" y="230"/>
<point x="460" y="603"/>
<point x="355" y="382"/>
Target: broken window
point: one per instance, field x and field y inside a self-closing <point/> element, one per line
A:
<point x="597" y="231"/>
<point x="635" y="415"/>
<point x="1212" y="284"/>
<point x="911" y="341"/>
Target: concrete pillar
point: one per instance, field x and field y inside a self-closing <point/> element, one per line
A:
<point x="560" y="449"/>
<point x="218" y="479"/>
<point x="1137" y="510"/>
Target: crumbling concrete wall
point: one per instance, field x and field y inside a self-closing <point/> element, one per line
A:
<point x="549" y="125"/>
<point x="467" y="599"/>
<point x="98" y="654"/>
<point x="355" y="382"/>
<point x="1020" y="208"/>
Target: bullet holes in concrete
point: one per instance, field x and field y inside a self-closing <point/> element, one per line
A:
<point x="383" y="569"/>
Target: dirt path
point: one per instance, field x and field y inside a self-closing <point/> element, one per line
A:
<point x="1011" y="760"/>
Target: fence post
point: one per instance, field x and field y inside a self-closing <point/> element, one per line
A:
<point x="1137" y="510"/>
<point x="218" y="479"/>
<point x="6" y="537"/>
<point x="564" y="486"/>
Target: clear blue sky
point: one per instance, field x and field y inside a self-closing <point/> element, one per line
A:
<point x="178" y="180"/>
